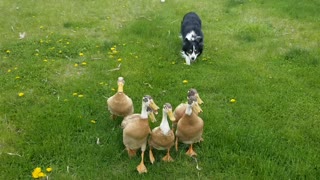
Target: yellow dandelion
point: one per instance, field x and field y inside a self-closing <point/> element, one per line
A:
<point x="15" y="68"/>
<point x="119" y="59"/>
<point x="68" y="43"/>
<point x="8" y="51"/>
<point x="17" y="77"/>
<point x="41" y="174"/>
<point x="81" y="54"/>
<point x="60" y="52"/>
<point x="75" y="94"/>
<point x="173" y="62"/>
<point x="49" y="169"/>
<point x="101" y="83"/>
<point x="9" y="70"/>
<point x="45" y="60"/>
<point x="113" y="89"/>
<point x="84" y="63"/>
<point x="37" y="173"/>
<point x="80" y="95"/>
<point x="20" y="94"/>
<point x="113" y="49"/>
<point x="37" y="170"/>
<point x="76" y="65"/>
<point x="93" y="121"/>
<point x="233" y="100"/>
<point x="185" y="81"/>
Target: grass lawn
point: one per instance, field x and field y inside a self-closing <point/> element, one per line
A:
<point x="55" y="79"/>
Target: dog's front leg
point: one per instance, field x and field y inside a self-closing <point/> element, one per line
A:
<point x="188" y="62"/>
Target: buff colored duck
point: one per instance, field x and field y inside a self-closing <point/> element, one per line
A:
<point x="181" y="108"/>
<point x="162" y="137"/>
<point x="190" y="126"/>
<point x="120" y="104"/>
<point x="136" y="130"/>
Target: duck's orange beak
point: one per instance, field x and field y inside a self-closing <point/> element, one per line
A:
<point x="199" y="100"/>
<point x="152" y="117"/>
<point x="120" y="87"/>
<point x="171" y="116"/>
<point x="197" y="108"/>
<point x="154" y="107"/>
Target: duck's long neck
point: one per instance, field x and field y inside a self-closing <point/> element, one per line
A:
<point x="188" y="110"/>
<point x="144" y="112"/>
<point x="164" y="126"/>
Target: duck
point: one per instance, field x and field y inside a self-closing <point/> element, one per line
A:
<point x="120" y="104"/>
<point x="162" y="137"/>
<point x="136" y="130"/>
<point x="181" y="108"/>
<point x="190" y="126"/>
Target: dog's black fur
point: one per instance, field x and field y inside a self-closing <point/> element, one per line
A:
<point x="192" y="37"/>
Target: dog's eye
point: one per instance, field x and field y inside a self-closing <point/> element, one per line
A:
<point x="190" y="51"/>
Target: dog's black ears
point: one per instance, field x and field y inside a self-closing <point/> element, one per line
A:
<point x="199" y="39"/>
<point x="186" y="40"/>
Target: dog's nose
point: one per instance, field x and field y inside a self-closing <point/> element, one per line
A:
<point x="192" y="58"/>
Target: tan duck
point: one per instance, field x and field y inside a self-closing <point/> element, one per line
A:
<point x="162" y="137"/>
<point x="190" y="126"/>
<point x="181" y="108"/>
<point x="120" y="104"/>
<point x="136" y="130"/>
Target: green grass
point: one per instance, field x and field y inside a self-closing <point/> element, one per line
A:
<point x="266" y="55"/>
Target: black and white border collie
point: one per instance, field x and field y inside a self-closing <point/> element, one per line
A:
<point x="192" y="37"/>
